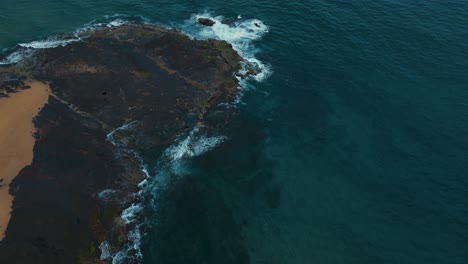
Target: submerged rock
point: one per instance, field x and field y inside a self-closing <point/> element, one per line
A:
<point x="119" y="91"/>
<point x="206" y="21"/>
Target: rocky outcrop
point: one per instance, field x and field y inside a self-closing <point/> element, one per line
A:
<point x="119" y="91"/>
<point x="206" y="22"/>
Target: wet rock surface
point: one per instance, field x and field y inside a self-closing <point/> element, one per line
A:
<point x="206" y="22"/>
<point x="156" y="81"/>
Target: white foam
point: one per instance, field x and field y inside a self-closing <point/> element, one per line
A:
<point x="126" y="18"/>
<point x="130" y="215"/>
<point x="241" y="35"/>
<point x="26" y="49"/>
<point x="94" y="25"/>
<point x="48" y="43"/>
<point x="107" y="194"/>
<point x="193" y="145"/>
<point x="110" y="137"/>
<point x="135" y="237"/>
<point x="116" y="23"/>
<point x="143" y="184"/>
<point x="105" y="250"/>
<point x="16" y="56"/>
<point x="131" y="251"/>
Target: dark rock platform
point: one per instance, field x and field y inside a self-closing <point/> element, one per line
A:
<point x="158" y="80"/>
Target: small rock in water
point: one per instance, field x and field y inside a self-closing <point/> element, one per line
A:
<point x="206" y="22"/>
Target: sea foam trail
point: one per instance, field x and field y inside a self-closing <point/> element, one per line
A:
<point x="193" y="145"/>
<point x="174" y="162"/>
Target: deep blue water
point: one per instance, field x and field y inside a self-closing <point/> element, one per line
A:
<point x="354" y="150"/>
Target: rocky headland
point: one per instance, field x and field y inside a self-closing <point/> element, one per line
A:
<point x="116" y="96"/>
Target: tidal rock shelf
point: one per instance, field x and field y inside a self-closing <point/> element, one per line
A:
<point x="159" y="80"/>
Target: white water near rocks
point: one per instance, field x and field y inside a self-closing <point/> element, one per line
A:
<point x="170" y="165"/>
<point x="132" y="215"/>
<point x="24" y="50"/>
<point x="241" y="35"/>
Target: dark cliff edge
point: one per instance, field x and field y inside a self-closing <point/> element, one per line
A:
<point x="158" y="80"/>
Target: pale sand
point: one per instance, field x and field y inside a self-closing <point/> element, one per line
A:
<point x="16" y="139"/>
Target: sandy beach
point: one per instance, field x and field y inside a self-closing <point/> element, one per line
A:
<point x="16" y="139"/>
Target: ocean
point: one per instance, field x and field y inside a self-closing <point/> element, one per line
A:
<point x="351" y="146"/>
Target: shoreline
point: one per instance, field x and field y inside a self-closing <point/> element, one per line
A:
<point x="16" y="139"/>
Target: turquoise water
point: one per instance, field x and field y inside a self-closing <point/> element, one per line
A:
<point x="354" y="150"/>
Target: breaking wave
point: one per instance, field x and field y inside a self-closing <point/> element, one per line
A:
<point x="241" y="34"/>
<point x="193" y="145"/>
